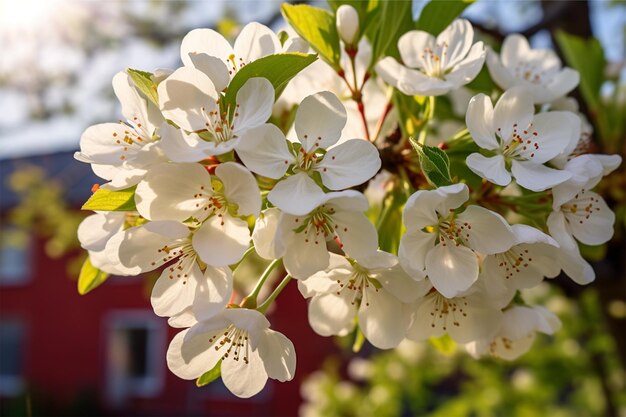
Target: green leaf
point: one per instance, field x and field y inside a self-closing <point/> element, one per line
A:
<point x="107" y="200"/>
<point x="90" y="277"/>
<point x="395" y="19"/>
<point x="438" y="14"/>
<point x="434" y="163"/>
<point x="210" y="376"/>
<point x="278" y="69"/>
<point x="389" y="223"/>
<point x="587" y="57"/>
<point x="317" y="27"/>
<point x="143" y="81"/>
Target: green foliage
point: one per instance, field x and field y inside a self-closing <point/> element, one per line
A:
<point x="210" y="376"/>
<point x="144" y="82"/>
<point x="395" y="20"/>
<point x="434" y="163"/>
<point x="317" y="27"/>
<point x="438" y="14"/>
<point x="107" y="200"/>
<point x="389" y="222"/>
<point x="587" y="57"/>
<point x="90" y="277"/>
<point x="278" y="69"/>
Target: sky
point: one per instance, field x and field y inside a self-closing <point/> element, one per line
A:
<point x="43" y="41"/>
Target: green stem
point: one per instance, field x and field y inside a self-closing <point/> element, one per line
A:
<point x="257" y="289"/>
<point x="266" y="304"/>
<point x="358" y="340"/>
<point x="245" y="255"/>
<point x="428" y="115"/>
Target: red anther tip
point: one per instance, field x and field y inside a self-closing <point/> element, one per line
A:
<point x="443" y="146"/>
<point x="95" y="188"/>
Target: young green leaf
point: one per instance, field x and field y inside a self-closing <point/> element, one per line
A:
<point x="434" y="163"/>
<point x="90" y="277"/>
<point x="444" y="344"/>
<point x="107" y="200"/>
<point x="438" y="14"/>
<point x="210" y="376"/>
<point x="143" y="81"/>
<point x="395" y="19"/>
<point x="279" y="69"/>
<point x="317" y="27"/>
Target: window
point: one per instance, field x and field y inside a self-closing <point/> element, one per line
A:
<point x="15" y="257"/>
<point x="135" y="355"/>
<point x="11" y="357"/>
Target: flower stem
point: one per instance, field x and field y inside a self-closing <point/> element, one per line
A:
<point x="250" y="300"/>
<point x="429" y="113"/>
<point x="245" y="255"/>
<point x="381" y="120"/>
<point x="266" y="304"/>
<point x="358" y="340"/>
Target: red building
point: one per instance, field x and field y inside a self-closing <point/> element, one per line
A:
<point x="104" y="353"/>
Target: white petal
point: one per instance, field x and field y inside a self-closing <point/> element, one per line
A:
<point x="212" y="292"/>
<point x="297" y="195"/>
<point x="331" y="314"/>
<point x="255" y="99"/>
<point x="499" y="73"/>
<point x="488" y="233"/>
<point x="514" y="47"/>
<point x="348" y="164"/>
<point x="96" y="230"/>
<point x="184" y="94"/>
<point x="180" y="146"/>
<point x="592" y="224"/>
<point x="555" y="130"/>
<point x="222" y="241"/>
<point x="479" y="120"/>
<point x="264" y="151"/>
<point x="213" y="67"/>
<point x="492" y="169"/>
<point x="453" y="197"/>
<point x="514" y="110"/>
<point x="252" y="321"/>
<point x="420" y="209"/>
<point x="140" y="247"/>
<point x="482" y="322"/>
<point x="561" y="84"/>
<point x="190" y="354"/>
<point x="412" y="45"/>
<point x="466" y="70"/>
<point x="305" y="254"/>
<point x="267" y="243"/>
<point x="570" y="259"/>
<point x="182" y="320"/>
<point x="204" y="41"/>
<point x="323" y="282"/>
<point x="256" y="41"/>
<point x="240" y="187"/>
<point x="400" y="285"/>
<point x="278" y="354"/>
<point x="458" y="36"/>
<point x="381" y="319"/>
<point x="348" y="200"/>
<point x="98" y="144"/>
<point x="451" y="269"/>
<point x="320" y="120"/>
<point x="134" y="107"/>
<point x="173" y="192"/>
<point x="537" y="177"/>
<point x="358" y="235"/>
<point x="175" y="290"/>
<point x="424" y="324"/>
<point x="244" y="379"/>
<point x="412" y="252"/>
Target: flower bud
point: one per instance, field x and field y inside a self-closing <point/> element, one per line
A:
<point x="347" y="23"/>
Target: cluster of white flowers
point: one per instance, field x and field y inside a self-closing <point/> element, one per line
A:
<point x="210" y="179"/>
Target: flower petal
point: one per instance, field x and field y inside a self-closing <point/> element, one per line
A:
<point x="488" y="232"/>
<point x="256" y="41"/>
<point x="412" y="252"/>
<point x="96" y="230"/>
<point x="297" y="194"/>
<point x="400" y="285"/>
<point x="592" y="222"/>
<point x="213" y="292"/>
<point x="264" y="150"/>
<point x="466" y="70"/>
<point x="175" y="290"/>
<point x="458" y="36"/>
<point x="451" y="269"/>
<point x="358" y="235"/>
<point x="222" y="241"/>
<point x="305" y="253"/>
<point x="479" y="120"/>
<point x="412" y="45"/>
<point x="514" y="110"/>
<point x="348" y="164"/>
<point x="536" y="177"/>
<point x="492" y="169"/>
<point x="267" y="242"/>
<point x="319" y="121"/>
<point x="381" y="319"/>
<point x="244" y="379"/>
<point x="213" y="67"/>
<point x="331" y="314"/>
<point x="279" y="355"/>
<point x="254" y="100"/>
<point x="173" y="192"/>
<point x="183" y="96"/>
<point x="555" y="130"/>
<point x="204" y="41"/>
<point x="240" y="187"/>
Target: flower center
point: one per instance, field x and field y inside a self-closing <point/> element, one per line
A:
<point x="434" y="60"/>
<point x="581" y="207"/>
<point x="305" y="162"/>
<point x="318" y="224"/>
<point x="233" y="342"/>
<point x="183" y="251"/>
<point x="514" y="261"/>
<point x="523" y="145"/>
<point x="132" y="141"/>
<point x="529" y="71"/>
<point x="233" y="64"/>
<point x="219" y="125"/>
<point x="447" y="311"/>
<point x="358" y="282"/>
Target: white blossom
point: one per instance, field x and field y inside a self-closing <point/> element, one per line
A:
<point x="372" y="288"/>
<point x="347" y="23"/>
<point x="318" y="123"/>
<point x="538" y="70"/>
<point x="434" y="66"/>
<point x="249" y="350"/>
<point x="443" y="244"/>
<point x="95" y="231"/>
<point x="518" y="141"/>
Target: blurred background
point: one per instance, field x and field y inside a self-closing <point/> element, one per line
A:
<point x="104" y="353"/>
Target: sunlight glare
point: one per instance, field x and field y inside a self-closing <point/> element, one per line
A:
<point x="25" y="15"/>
